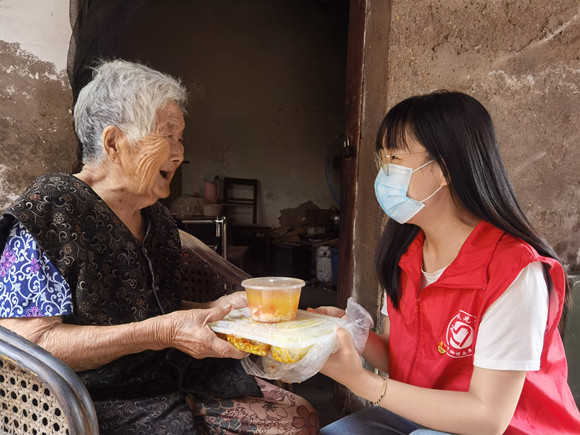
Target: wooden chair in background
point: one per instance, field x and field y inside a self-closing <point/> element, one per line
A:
<point x="250" y="242"/>
<point x="241" y="195"/>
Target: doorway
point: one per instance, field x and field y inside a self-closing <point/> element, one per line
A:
<point x="267" y="82"/>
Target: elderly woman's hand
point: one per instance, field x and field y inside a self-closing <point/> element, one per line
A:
<point x="236" y="300"/>
<point x="188" y="331"/>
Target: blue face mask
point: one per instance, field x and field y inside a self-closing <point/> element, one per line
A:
<point x="391" y="192"/>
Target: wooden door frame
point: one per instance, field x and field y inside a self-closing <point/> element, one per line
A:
<point x="353" y="111"/>
<point x="365" y="107"/>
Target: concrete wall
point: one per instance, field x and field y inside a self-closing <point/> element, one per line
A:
<point x="36" y="133"/>
<point x="520" y="59"/>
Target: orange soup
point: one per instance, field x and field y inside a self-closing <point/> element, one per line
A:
<point x="273" y="299"/>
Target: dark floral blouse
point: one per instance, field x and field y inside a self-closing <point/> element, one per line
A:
<point x="115" y="279"/>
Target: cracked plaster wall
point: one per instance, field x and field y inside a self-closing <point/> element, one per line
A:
<point x="35" y="127"/>
<point x="36" y="133"/>
<point x="521" y="59"/>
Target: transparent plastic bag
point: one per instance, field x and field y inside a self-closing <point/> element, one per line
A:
<point x="358" y="322"/>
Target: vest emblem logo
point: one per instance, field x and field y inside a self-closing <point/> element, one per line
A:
<point x="459" y="336"/>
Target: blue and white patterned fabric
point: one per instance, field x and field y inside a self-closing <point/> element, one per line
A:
<point x="30" y="286"/>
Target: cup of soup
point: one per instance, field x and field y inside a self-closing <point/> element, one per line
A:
<point x="273" y="299"/>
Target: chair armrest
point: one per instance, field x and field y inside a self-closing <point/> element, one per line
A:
<point x="41" y="392"/>
<point x="205" y="274"/>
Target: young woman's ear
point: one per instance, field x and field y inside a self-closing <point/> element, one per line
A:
<point x="443" y="169"/>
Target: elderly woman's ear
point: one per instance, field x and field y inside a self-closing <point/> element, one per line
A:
<point x="114" y="142"/>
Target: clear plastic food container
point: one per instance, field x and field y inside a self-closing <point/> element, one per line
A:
<point x="273" y="298"/>
<point x="292" y="351"/>
<point x="286" y="342"/>
<point x="295" y="350"/>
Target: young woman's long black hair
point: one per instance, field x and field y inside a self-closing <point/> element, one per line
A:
<point x="459" y="134"/>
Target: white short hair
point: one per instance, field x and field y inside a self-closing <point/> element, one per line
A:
<point x="127" y="95"/>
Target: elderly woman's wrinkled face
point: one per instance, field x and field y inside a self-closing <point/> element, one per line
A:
<point x="153" y="160"/>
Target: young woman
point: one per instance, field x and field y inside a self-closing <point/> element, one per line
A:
<point x="473" y="294"/>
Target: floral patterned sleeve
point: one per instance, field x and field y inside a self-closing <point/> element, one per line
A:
<point x="30" y="285"/>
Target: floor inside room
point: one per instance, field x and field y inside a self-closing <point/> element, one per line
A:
<point x="320" y="391"/>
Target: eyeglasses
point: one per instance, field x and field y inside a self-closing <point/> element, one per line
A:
<point x="383" y="160"/>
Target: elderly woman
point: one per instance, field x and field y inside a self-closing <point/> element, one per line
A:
<point x="90" y="271"/>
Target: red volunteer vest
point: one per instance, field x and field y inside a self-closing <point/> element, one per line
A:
<point x="433" y="334"/>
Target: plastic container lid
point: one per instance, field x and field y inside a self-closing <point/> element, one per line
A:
<point x="273" y="283"/>
<point x="306" y="330"/>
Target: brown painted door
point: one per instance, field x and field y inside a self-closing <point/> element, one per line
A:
<point x="353" y="104"/>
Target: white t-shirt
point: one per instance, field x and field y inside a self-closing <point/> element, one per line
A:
<point x="511" y="333"/>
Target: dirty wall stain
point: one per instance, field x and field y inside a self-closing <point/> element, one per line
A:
<point x="36" y="133"/>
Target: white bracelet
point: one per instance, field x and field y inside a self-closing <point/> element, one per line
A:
<point x="382" y="393"/>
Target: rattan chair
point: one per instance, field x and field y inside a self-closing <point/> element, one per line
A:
<point x="39" y="394"/>
<point x="206" y="274"/>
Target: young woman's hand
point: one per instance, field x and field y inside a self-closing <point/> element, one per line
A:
<point x="345" y="364"/>
<point x="329" y="311"/>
